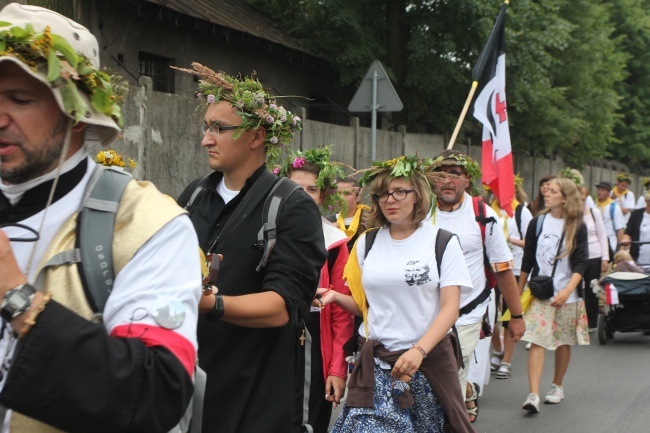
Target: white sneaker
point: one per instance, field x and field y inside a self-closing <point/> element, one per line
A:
<point x="554" y="395"/>
<point x="532" y="403"/>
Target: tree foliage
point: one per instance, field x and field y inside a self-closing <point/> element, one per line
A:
<point x="577" y="70"/>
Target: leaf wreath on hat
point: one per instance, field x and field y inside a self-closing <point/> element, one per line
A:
<point x="471" y="167"/>
<point x="645" y="181"/>
<point x="623" y="177"/>
<point x="254" y="105"/>
<point x="328" y="173"/>
<point x="64" y="68"/>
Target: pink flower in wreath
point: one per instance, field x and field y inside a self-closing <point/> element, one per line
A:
<point x="210" y="99"/>
<point x="276" y="170"/>
<point x="298" y="162"/>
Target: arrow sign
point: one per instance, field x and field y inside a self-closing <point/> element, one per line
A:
<point x="387" y="98"/>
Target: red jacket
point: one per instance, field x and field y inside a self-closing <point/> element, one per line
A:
<point x="336" y="324"/>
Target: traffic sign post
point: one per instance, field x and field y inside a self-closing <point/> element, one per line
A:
<point x="376" y="93"/>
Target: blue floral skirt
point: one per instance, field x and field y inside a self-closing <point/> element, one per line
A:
<point x="425" y="416"/>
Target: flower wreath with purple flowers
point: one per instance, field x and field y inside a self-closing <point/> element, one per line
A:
<point x="254" y="105"/>
<point x="317" y="160"/>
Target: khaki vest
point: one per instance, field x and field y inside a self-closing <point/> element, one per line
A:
<point x="142" y="212"/>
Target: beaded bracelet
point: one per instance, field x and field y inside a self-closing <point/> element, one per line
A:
<point x="421" y="350"/>
<point x="31" y="321"/>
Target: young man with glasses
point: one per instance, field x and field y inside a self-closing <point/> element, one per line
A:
<point x="250" y="333"/>
<point x="452" y="176"/>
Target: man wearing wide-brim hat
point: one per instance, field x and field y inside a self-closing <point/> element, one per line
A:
<point x="612" y="215"/>
<point x="58" y="369"/>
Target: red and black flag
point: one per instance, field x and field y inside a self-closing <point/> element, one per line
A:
<point x="491" y="110"/>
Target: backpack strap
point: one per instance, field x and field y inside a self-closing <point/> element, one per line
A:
<point x="518" y="212"/>
<point x="195" y="198"/>
<point x="442" y="239"/>
<point x="93" y="252"/>
<point x="540" y="224"/>
<point x="332" y="255"/>
<point x="612" y="207"/>
<point x="483" y="221"/>
<point x="268" y="234"/>
<point x="94" y="238"/>
<point x="371" y="235"/>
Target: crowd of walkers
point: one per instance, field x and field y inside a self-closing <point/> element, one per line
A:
<point x="280" y="285"/>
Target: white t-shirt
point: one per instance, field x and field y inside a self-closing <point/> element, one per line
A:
<point x="463" y="223"/>
<point x="547" y="244"/>
<point x="640" y="203"/>
<point x="644" y="249"/>
<point x="226" y="194"/>
<point x="513" y="232"/>
<point x="597" y="238"/>
<point x="626" y="201"/>
<point x="400" y="279"/>
<point x="612" y="226"/>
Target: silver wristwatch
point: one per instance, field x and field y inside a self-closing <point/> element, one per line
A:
<point x="17" y="301"/>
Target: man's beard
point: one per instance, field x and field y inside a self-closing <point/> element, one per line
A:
<point x="450" y="200"/>
<point x="36" y="161"/>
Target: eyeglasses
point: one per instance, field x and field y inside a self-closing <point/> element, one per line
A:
<point x="398" y="195"/>
<point x="216" y="129"/>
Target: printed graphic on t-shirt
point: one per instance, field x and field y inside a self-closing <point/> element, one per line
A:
<point x="547" y="247"/>
<point x="416" y="273"/>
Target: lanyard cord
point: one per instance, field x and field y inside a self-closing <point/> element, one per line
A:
<point x="64" y="152"/>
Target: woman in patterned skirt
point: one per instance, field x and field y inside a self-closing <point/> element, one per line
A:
<point x="558" y="241"/>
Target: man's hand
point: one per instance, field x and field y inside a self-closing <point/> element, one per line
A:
<point x="516" y="328"/>
<point x="12" y="277"/>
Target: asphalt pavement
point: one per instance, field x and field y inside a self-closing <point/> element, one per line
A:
<point x="607" y="389"/>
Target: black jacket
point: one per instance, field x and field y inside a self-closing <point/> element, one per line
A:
<point x="253" y="374"/>
<point x="633" y="229"/>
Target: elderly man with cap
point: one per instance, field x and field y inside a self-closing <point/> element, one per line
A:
<point x="453" y="210"/>
<point x="60" y="367"/>
<point x="612" y="216"/>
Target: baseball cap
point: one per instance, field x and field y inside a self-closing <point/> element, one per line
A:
<point x="604" y="184"/>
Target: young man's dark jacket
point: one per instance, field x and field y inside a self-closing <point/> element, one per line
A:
<point x="253" y="373"/>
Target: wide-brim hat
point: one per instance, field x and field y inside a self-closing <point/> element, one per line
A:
<point x="604" y="184"/>
<point x="101" y="128"/>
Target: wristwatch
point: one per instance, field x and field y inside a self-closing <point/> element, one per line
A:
<point x="17" y="301"/>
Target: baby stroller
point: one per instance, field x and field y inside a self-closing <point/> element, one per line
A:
<point x="625" y="297"/>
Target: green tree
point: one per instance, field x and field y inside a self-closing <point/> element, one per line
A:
<point x="632" y="131"/>
<point x="564" y="62"/>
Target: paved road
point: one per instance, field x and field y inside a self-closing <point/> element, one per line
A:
<point x="607" y="390"/>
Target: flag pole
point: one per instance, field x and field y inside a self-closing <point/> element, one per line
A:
<point x="463" y="114"/>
